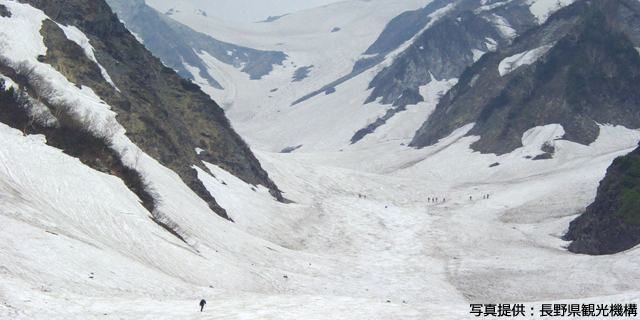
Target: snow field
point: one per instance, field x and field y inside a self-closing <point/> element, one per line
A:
<point x="275" y="124"/>
<point x="542" y="9"/>
<point x="304" y="36"/>
<point x="321" y="123"/>
<point x="354" y="18"/>
<point x="70" y="200"/>
<point x="525" y="58"/>
<point x="97" y="230"/>
<point x="257" y="107"/>
<point x="76" y="243"/>
<point x="503" y="26"/>
<point x="507" y="248"/>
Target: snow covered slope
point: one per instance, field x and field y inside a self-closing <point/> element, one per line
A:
<point x="322" y="46"/>
<point x="254" y="10"/>
<point x="362" y="240"/>
<point x="307" y="39"/>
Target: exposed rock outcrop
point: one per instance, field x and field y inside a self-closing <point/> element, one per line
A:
<point x="164" y="114"/>
<point x="611" y="224"/>
<point x="590" y="75"/>
<point x="441" y="53"/>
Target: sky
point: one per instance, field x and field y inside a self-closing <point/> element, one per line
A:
<point x="255" y="10"/>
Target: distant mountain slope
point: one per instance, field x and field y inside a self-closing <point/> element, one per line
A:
<point x="165" y="115"/>
<point x="441" y="53"/>
<point x="611" y="224"/>
<point x="455" y="40"/>
<point x="448" y="36"/>
<point x="578" y="69"/>
<point x="176" y="45"/>
<point x="436" y="41"/>
<point x="404" y="27"/>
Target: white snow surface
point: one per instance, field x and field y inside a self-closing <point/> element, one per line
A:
<point x="477" y="54"/>
<point x="542" y="9"/>
<point x="503" y="26"/>
<point x="306" y="38"/>
<point x="359" y="241"/>
<point x="492" y="44"/>
<point x="492" y="6"/>
<point x="511" y="63"/>
<point x="261" y="111"/>
<point x="252" y="10"/>
<point x="74" y="34"/>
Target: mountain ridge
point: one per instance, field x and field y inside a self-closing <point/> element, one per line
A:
<point x="534" y="94"/>
<point x="164" y="114"/>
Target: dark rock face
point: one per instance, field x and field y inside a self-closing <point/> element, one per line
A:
<point x="161" y="116"/>
<point x="301" y="73"/>
<point x="404" y="27"/>
<point x="172" y="42"/>
<point x="444" y="49"/>
<point x="4" y="12"/>
<point x="69" y="135"/>
<point x="591" y="75"/>
<point x="443" y="52"/>
<point x="272" y="18"/>
<point x="157" y="34"/>
<point x="370" y="128"/>
<point x="611" y="224"/>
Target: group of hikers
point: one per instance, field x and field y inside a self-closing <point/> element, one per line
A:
<point x="435" y="200"/>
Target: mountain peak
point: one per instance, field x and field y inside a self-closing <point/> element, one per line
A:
<point x="588" y="76"/>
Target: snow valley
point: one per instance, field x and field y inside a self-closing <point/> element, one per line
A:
<point x="125" y="193"/>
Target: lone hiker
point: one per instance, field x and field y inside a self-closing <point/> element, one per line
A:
<point x="202" y="303"/>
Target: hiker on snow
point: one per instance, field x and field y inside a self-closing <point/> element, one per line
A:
<point x="202" y="303"/>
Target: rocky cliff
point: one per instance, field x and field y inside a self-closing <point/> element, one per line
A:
<point x="578" y="69"/>
<point x="441" y="53"/>
<point x="165" y="115"/>
<point x="457" y="32"/>
<point x="449" y="37"/>
<point x="611" y="224"/>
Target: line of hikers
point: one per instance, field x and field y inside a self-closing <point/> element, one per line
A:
<point x="435" y="200"/>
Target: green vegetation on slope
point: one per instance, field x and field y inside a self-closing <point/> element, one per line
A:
<point x="629" y="203"/>
<point x="611" y="224"/>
